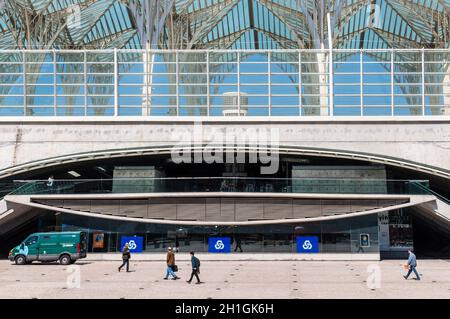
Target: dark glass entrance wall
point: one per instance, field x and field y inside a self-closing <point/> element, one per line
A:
<point x="335" y="236"/>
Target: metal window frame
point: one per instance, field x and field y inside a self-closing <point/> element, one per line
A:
<point x="395" y="58"/>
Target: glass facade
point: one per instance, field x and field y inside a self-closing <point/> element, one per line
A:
<point x="400" y="229"/>
<point x="207" y="83"/>
<point x="334" y="236"/>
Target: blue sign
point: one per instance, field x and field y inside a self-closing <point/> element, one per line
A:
<point x="307" y="244"/>
<point x="219" y="245"/>
<point x="135" y="243"/>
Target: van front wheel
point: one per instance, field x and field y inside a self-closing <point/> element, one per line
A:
<point x="65" y="260"/>
<point x="21" y="260"/>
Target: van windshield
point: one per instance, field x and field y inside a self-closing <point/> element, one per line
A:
<point x="31" y="240"/>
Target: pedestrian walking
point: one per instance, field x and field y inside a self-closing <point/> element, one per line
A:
<point x="195" y="268"/>
<point x="50" y="182"/>
<point x="126" y="255"/>
<point x="238" y="244"/>
<point x="412" y="264"/>
<point x="170" y="260"/>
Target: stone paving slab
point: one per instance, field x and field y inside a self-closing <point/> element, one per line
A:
<point x="226" y="279"/>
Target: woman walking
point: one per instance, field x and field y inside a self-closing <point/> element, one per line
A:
<point x="126" y="255"/>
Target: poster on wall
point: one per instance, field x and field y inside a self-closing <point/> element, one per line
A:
<point x="364" y="240"/>
<point x="98" y="240"/>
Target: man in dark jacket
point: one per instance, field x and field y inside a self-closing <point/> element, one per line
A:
<point x="195" y="268"/>
<point x="170" y="261"/>
<point x="238" y="244"/>
<point x="126" y="255"/>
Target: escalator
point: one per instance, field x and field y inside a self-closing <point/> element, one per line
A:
<point x="6" y="188"/>
<point x="431" y="237"/>
<point x="431" y="231"/>
<point x="15" y="236"/>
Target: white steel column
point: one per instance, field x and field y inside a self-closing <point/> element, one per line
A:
<point x="116" y="84"/>
<point x="144" y="110"/>
<point x="300" y="83"/>
<point x="446" y="89"/>
<point x="177" y="79"/>
<point x="208" y="103"/>
<point x="323" y="83"/>
<point x="331" y="83"/>
<point x="361" y="84"/>
<point x="24" y="75"/>
<point x="239" y="81"/>
<point x="148" y="59"/>
<point x="85" y="83"/>
<point x="54" y="82"/>
<point x="423" y="81"/>
<point x="331" y="67"/>
<point x="269" y="89"/>
<point x="392" y="82"/>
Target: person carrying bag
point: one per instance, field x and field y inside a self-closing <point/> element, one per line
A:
<point x="170" y="261"/>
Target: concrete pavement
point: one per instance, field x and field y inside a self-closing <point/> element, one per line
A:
<point x="227" y="279"/>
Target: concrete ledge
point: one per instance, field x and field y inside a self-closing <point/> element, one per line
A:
<point x="184" y="256"/>
<point x="225" y="119"/>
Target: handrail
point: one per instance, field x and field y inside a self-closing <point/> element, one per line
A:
<point x="221" y="177"/>
<point x="428" y="190"/>
<point x="218" y="184"/>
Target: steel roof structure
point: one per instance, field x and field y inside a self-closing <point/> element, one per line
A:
<point x="224" y="24"/>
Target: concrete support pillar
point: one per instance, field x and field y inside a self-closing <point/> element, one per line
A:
<point x="148" y="59"/>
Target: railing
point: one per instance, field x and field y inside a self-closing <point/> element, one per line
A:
<point x="221" y="83"/>
<point x="423" y="187"/>
<point x="221" y="184"/>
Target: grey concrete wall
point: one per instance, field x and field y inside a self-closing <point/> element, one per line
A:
<point x="421" y="140"/>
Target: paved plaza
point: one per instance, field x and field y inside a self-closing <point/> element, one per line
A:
<point x="227" y="279"/>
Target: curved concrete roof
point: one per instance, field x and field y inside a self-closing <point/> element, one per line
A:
<point x="155" y="150"/>
<point x="28" y="202"/>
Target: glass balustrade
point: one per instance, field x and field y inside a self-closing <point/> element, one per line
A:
<point x="221" y="184"/>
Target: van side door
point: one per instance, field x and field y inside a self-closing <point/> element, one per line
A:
<point x="48" y="248"/>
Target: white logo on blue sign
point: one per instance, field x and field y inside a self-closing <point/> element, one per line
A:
<point x="132" y="245"/>
<point x="135" y="243"/>
<point x="219" y="245"/>
<point x="307" y="244"/>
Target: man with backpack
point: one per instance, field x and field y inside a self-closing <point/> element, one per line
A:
<point x="195" y="268"/>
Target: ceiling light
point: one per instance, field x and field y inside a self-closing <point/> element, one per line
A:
<point x="74" y="174"/>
